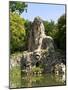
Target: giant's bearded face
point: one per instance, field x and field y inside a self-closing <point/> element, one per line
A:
<point x="37" y="23"/>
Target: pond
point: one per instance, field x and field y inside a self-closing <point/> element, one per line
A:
<point x="42" y="80"/>
<point x="25" y="81"/>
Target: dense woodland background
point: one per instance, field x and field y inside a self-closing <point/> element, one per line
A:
<point x="19" y="29"/>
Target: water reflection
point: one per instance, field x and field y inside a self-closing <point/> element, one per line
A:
<point x="60" y="78"/>
<point x="29" y="80"/>
<point x="42" y="80"/>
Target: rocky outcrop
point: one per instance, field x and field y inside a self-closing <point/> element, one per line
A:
<point x="40" y="49"/>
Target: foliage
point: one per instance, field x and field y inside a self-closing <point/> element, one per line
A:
<point x="61" y="35"/>
<point x="16" y="6"/>
<point x="57" y="31"/>
<point x="17" y="32"/>
<point x="50" y="28"/>
<point x="27" y="25"/>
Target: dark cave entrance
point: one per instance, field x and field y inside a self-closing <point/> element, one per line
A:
<point x="38" y="64"/>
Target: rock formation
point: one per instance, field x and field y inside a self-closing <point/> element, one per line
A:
<point x="40" y="49"/>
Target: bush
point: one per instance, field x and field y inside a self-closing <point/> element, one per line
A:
<point x="17" y="33"/>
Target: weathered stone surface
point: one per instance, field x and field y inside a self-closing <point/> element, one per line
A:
<point x="40" y="49"/>
<point x="15" y="60"/>
<point x="38" y="39"/>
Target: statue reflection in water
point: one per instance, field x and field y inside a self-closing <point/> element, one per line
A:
<point x="60" y="75"/>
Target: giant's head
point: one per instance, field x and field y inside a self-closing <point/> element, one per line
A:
<point x="38" y="24"/>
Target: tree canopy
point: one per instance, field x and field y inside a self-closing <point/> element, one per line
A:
<point x="61" y="35"/>
<point x="17" y="32"/>
<point x="50" y="28"/>
<point x="16" y="6"/>
<point x="57" y="31"/>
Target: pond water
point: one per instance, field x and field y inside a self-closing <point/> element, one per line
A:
<point x="42" y="80"/>
<point x="39" y="80"/>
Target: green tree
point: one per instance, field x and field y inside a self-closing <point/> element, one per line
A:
<point x="27" y="28"/>
<point x="61" y="35"/>
<point x="16" y="6"/>
<point x="17" y="32"/>
<point x="50" y="28"/>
